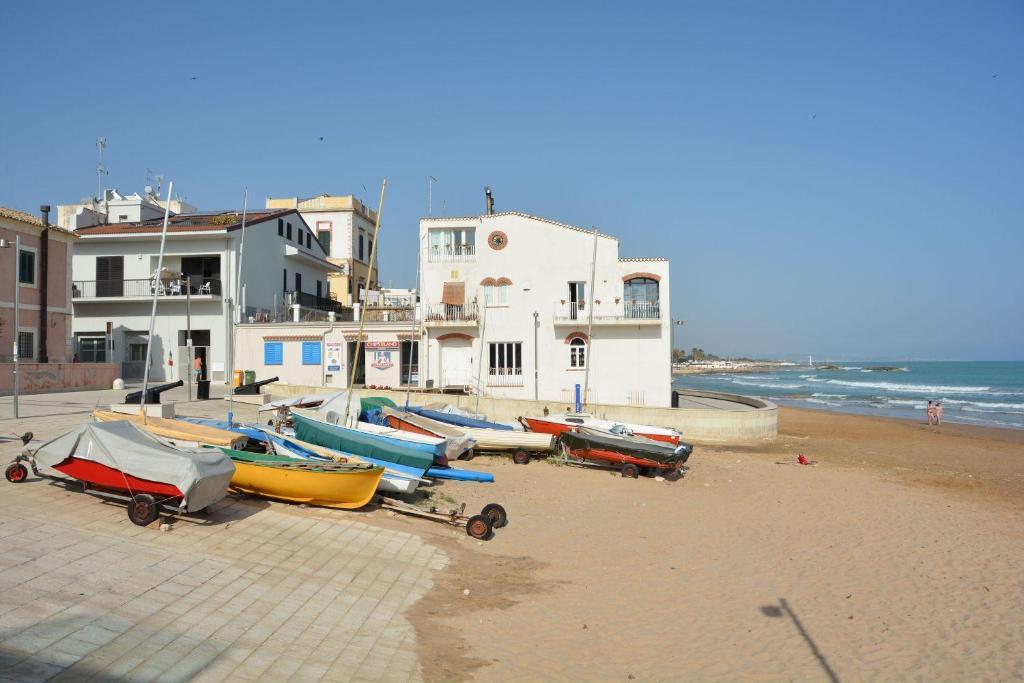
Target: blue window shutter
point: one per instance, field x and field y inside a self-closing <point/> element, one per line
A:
<point x="311" y="353"/>
<point x="273" y="353"/>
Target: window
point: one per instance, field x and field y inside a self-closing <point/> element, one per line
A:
<point x="298" y="282"/>
<point x="369" y="248"/>
<point x="273" y="353"/>
<point x="360" y="247"/>
<point x="284" y="281"/>
<point x="410" y="363"/>
<point x="288" y="231"/>
<point x="496" y="295"/>
<point x="506" y="358"/>
<point x="122" y="218"/>
<point x="92" y="349"/>
<point x="311" y="353"/>
<point x="26" y="345"/>
<point x="280" y="227"/>
<point x="319" y="289"/>
<point x="309" y="241"/>
<point x="27" y="267"/>
<point x="136" y="352"/>
<point x="452" y="244"/>
<point x="324" y="237"/>
<point x="641" y="298"/>
<point x="577" y="353"/>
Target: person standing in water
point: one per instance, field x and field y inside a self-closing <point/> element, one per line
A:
<point x="938" y="412"/>
<point x="931" y="413"/>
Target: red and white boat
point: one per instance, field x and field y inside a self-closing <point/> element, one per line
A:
<point x="120" y="458"/>
<point x="560" y="424"/>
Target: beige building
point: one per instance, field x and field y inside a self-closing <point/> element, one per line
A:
<point x="344" y="225"/>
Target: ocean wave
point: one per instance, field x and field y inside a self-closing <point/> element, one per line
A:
<point x="766" y="385"/>
<point x="820" y="395"/>
<point x="822" y="402"/>
<point x="995" y="408"/>
<point x="851" y="367"/>
<point x="916" y="403"/>
<point x="910" y="388"/>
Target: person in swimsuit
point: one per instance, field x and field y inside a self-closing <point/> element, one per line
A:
<point x="938" y="412"/>
<point x="931" y="413"/>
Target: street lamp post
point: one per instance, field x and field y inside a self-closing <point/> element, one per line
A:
<point x="17" y="306"/>
<point x="675" y="324"/>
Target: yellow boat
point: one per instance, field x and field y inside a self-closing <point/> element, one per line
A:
<point x="181" y="432"/>
<point x="333" y="485"/>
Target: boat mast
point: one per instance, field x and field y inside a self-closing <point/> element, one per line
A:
<point x="362" y="313"/>
<point x="237" y="311"/>
<point x="590" y="325"/>
<point x="415" y="324"/>
<point x="156" y="293"/>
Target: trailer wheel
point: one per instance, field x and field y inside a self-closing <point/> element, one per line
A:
<point x="142" y="509"/>
<point x="16" y="473"/>
<point x="674" y="474"/>
<point x="468" y="455"/>
<point x="630" y="471"/>
<point x="479" y="527"/>
<point x="521" y="457"/>
<point x="496" y="514"/>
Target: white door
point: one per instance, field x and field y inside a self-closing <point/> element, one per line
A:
<point x="456" y="363"/>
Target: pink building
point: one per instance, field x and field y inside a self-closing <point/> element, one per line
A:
<point x="41" y="270"/>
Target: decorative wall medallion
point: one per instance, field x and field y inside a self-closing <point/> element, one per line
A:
<point x="497" y="240"/>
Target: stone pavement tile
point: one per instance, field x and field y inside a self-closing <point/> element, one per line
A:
<point x="310" y="672"/>
<point x="32" y="670"/>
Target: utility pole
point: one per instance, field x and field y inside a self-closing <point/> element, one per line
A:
<point x="430" y="194"/>
<point x="536" y="367"/>
<point x="188" y="332"/>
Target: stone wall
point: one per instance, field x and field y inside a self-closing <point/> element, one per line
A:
<point x="42" y="378"/>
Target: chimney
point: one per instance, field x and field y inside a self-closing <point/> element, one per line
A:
<point x="490" y="200"/>
<point x="44" y="262"/>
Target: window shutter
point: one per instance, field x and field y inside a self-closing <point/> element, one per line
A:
<point x="311" y="353"/>
<point x="273" y="353"/>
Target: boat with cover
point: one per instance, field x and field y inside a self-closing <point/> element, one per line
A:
<point x="630" y="452"/>
<point x="396" y="478"/>
<point x="121" y="458"/>
<point x="521" y="444"/>
<point x="560" y="424"/>
<point x="313" y="427"/>
<point x="177" y="430"/>
<point x="315" y="482"/>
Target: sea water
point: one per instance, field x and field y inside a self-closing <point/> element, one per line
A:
<point x="983" y="393"/>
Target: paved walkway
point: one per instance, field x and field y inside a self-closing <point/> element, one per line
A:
<point x="252" y="590"/>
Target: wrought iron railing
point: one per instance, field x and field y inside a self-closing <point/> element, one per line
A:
<point x="627" y="310"/>
<point x="451" y="253"/>
<point x="450" y="313"/>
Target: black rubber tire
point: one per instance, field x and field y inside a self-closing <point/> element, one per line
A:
<point x="674" y="474"/>
<point x="468" y="455"/>
<point x="16" y="473"/>
<point x="630" y="471"/>
<point x="143" y="510"/>
<point x="521" y="457"/>
<point x="479" y="527"/>
<point x="496" y="513"/>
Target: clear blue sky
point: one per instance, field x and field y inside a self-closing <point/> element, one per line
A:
<point x="841" y="179"/>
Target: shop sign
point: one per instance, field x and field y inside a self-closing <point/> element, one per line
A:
<point x="381" y="345"/>
<point x="382" y="360"/>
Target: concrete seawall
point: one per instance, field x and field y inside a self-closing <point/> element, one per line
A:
<point x="708" y="418"/>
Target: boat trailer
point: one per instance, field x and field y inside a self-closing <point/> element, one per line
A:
<point x="481" y="526"/>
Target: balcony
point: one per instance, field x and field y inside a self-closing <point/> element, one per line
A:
<point x="451" y="253"/>
<point x="314" y="302"/>
<point x="450" y="315"/>
<point x="201" y="289"/>
<point x="608" y="313"/>
<point x="386" y="314"/>
<point x="504" y="377"/>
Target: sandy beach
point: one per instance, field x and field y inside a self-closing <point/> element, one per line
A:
<point x="897" y="556"/>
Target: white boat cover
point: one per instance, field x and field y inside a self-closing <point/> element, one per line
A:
<point x="202" y="475"/>
<point x="454" y="445"/>
<point x="333" y="409"/>
<point x="462" y="412"/>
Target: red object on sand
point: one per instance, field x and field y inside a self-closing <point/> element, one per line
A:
<point x="802" y="460"/>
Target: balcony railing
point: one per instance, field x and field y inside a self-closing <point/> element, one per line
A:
<point x="450" y="314"/>
<point x="504" y="377"/>
<point x="607" y="311"/>
<point x="381" y="314"/>
<point x="319" y="303"/>
<point x="451" y="253"/>
<point x="144" y="287"/>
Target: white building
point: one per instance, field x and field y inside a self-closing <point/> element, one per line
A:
<point x="344" y="225"/>
<point x="505" y="303"/>
<point x="114" y="207"/>
<point x="114" y="275"/>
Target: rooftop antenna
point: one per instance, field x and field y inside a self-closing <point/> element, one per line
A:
<point x="101" y="170"/>
<point x="490" y="200"/>
<point x="154" y="180"/>
<point x="430" y="194"/>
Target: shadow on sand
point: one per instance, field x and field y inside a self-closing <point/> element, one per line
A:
<point x="783" y="609"/>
